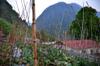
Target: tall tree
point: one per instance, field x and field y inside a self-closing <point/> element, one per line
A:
<point x="86" y="25"/>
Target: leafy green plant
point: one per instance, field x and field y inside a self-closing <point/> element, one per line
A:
<point x="52" y="56"/>
<point x="27" y="55"/>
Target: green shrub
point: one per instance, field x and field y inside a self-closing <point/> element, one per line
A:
<point x="6" y="26"/>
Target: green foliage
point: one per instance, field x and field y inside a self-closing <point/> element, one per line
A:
<point x="5" y="52"/>
<point x="47" y="56"/>
<point x="6" y="26"/>
<point x="27" y="55"/>
<point x="83" y="62"/>
<point x="45" y="36"/>
<point x="86" y="25"/>
<point x="11" y="16"/>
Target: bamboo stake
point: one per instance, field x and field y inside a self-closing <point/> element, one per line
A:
<point x="34" y="44"/>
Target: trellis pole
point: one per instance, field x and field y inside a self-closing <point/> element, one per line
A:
<point x="34" y="44"/>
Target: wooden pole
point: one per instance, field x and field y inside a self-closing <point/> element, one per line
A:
<point x="34" y="44"/>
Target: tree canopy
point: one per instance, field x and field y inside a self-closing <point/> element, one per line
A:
<point x="86" y="25"/>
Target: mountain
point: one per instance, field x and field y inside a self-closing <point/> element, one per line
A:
<point x="7" y="13"/>
<point x="98" y="14"/>
<point x="56" y="18"/>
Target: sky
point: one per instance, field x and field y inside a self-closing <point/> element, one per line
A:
<point x="41" y="5"/>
